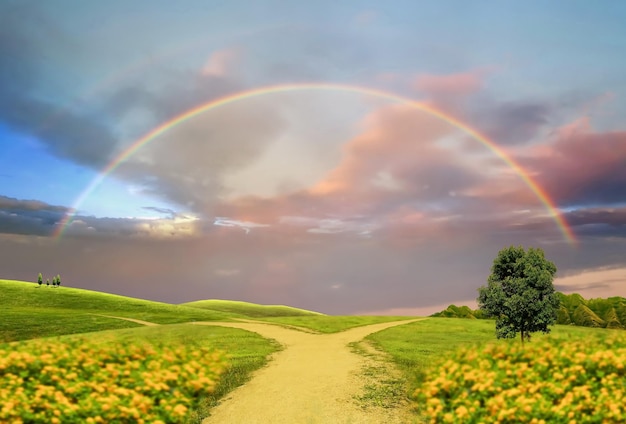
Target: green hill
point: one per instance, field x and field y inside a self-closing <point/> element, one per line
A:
<point x="251" y="310"/>
<point x="574" y="310"/>
<point x="454" y="311"/>
<point x="30" y="311"/>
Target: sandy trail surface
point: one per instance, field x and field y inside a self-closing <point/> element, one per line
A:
<point x="314" y="379"/>
<point x="137" y="321"/>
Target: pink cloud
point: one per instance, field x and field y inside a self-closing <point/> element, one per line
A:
<point x="397" y="139"/>
<point x="460" y="84"/>
<point x="221" y="62"/>
<point x="579" y="163"/>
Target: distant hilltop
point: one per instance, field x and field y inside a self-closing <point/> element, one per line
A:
<point x="574" y="310"/>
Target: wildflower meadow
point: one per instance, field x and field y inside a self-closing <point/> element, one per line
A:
<point x="546" y="381"/>
<point x="79" y="381"/>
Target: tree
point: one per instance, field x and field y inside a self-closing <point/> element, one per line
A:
<point x="47" y="281"/>
<point x="58" y="280"/>
<point x="520" y="293"/>
<point x="54" y="281"/>
<point x="40" y="279"/>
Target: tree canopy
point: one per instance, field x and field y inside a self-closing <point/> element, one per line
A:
<point x="520" y="293"/>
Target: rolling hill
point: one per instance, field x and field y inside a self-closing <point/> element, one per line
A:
<point x="251" y="310"/>
<point x="29" y="311"/>
<point x="574" y="310"/>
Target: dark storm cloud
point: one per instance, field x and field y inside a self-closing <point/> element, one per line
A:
<point x="28" y="216"/>
<point x="517" y="122"/>
<point x="12" y="204"/>
<point x="164" y="211"/>
<point x="84" y="136"/>
<point x="32" y="217"/>
<point x="615" y="217"/>
<point x="26" y="49"/>
<point x="582" y="167"/>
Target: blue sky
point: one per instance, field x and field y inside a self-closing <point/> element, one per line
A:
<point x="328" y="200"/>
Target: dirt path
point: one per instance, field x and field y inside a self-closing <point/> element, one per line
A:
<point x="313" y="380"/>
<point x="138" y="321"/>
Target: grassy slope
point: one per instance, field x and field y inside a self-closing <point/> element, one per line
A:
<point x="30" y="311"/>
<point x="251" y="310"/>
<point x="333" y="324"/>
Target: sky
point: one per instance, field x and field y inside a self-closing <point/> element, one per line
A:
<point x="347" y="157"/>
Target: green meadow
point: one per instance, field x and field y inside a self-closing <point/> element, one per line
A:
<point x="251" y="310"/>
<point x="332" y="323"/>
<point x="33" y="316"/>
<point x="30" y="311"/>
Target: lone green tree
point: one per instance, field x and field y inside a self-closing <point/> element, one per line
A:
<point x="519" y="293"/>
<point x="40" y="279"/>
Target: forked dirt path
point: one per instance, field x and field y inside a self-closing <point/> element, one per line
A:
<point x="314" y="379"/>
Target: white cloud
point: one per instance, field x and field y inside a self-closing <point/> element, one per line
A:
<point x="244" y="225"/>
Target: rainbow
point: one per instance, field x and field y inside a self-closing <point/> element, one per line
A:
<point x="541" y="194"/>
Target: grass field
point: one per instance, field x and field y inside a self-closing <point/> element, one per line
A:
<point x="415" y="346"/>
<point x="251" y="310"/>
<point x="419" y="348"/>
<point x="573" y="374"/>
<point x="30" y="311"/>
<point x="333" y="323"/>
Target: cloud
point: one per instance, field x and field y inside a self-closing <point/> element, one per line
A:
<point x="398" y="143"/>
<point x="244" y="225"/>
<point x="25" y="50"/>
<point x="179" y="226"/>
<point x="29" y="216"/>
<point x="32" y="217"/>
<point x="580" y="166"/>
<point x="163" y="211"/>
<point x="221" y="62"/>
<point x="460" y="84"/>
<point x="591" y="283"/>
<point x="360" y="225"/>
<point x="516" y="122"/>
<point x="612" y="217"/>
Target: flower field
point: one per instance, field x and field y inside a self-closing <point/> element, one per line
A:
<point x="546" y="381"/>
<point x="77" y="381"/>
